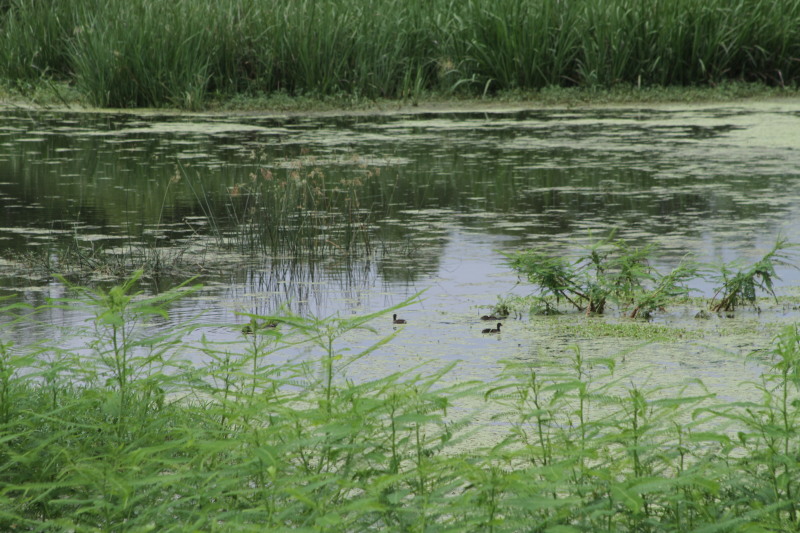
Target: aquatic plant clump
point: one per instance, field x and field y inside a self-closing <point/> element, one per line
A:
<point x="146" y="430"/>
<point x="608" y="271"/>
<point x="133" y="53"/>
<point x="301" y="212"/>
<point x="739" y="284"/>
<point x="612" y="271"/>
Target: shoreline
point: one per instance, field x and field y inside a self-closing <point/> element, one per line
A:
<point x="282" y="105"/>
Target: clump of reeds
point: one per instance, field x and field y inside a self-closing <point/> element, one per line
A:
<point x="145" y="430"/>
<point x="302" y="212"/>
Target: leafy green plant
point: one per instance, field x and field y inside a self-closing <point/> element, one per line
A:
<point x="612" y="271"/>
<point x="739" y="285"/>
<point x="664" y="290"/>
<point x="608" y="270"/>
<point x="147" y="430"/>
<point x="129" y="362"/>
<point x="768" y="430"/>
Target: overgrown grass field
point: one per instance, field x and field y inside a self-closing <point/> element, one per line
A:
<point x="129" y="53"/>
<point x="146" y="430"/>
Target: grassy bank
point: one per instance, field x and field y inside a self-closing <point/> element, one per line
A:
<point x="47" y="94"/>
<point x="146" y="430"/>
<point x="142" y="53"/>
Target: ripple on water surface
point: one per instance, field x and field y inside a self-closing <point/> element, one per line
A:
<point x="446" y="195"/>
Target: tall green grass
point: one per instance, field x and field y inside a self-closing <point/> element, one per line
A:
<point x="299" y="211"/>
<point x="145" y="53"/>
<point x="35" y="39"/>
<point x="146" y="430"/>
<point x="510" y="45"/>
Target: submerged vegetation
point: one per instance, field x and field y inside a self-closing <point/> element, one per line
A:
<point x="181" y="53"/>
<point x="147" y="430"/>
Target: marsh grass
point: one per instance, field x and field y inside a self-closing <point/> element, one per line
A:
<point x="301" y="212"/>
<point x="143" y="53"/>
<point x="145" y="430"/>
<point x="34" y="40"/>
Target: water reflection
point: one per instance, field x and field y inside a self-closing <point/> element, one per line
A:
<point x="715" y="182"/>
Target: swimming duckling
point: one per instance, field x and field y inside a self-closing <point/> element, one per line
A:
<point x="396" y="320"/>
<point x="489" y="317"/>
<point x="253" y="326"/>
<point x="490" y="330"/>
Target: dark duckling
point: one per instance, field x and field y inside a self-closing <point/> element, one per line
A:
<point x="253" y="326"/>
<point x="490" y="330"/>
<point x="489" y="317"/>
<point x="396" y="320"/>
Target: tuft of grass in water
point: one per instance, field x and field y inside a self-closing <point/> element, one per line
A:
<point x="144" y="429"/>
<point x="739" y="284"/>
<point x="84" y="262"/>
<point x="300" y="211"/>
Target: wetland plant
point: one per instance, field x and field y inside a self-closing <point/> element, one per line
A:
<point x="301" y="212"/>
<point x="739" y="284"/>
<point x="608" y="270"/>
<point x="612" y="271"/>
<point x="147" y="430"/>
<point x="181" y="53"/>
<point x="664" y="289"/>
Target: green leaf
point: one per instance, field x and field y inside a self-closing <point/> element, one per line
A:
<point x="629" y="498"/>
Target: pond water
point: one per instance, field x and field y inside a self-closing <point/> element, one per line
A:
<point x="441" y="195"/>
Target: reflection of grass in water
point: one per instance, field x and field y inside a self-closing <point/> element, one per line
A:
<point x="86" y="262"/>
<point x="300" y="286"/>
<point x="129" y="435"/>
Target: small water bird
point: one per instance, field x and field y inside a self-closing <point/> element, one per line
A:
<point x="489" y="317"/>
<point x="396" y="320"/>
<point x="493" y="330"/>
<point x="254" y="326"/>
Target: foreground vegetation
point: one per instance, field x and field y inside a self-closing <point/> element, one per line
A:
<point x="136" y="53"/>
<point x="146" y="430"/>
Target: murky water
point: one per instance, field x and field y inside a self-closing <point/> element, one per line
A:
<point x="454" y="190"/>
